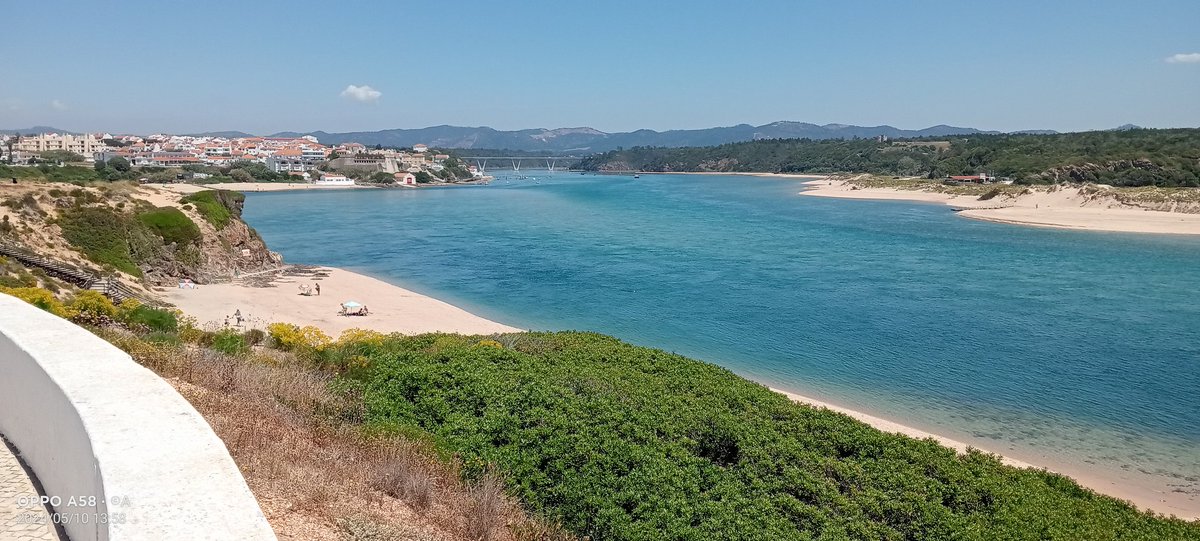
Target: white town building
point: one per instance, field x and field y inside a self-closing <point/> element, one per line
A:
<point x="332" y="179"/>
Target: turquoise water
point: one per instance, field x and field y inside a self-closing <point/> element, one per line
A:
<point x="1031" y="342"/>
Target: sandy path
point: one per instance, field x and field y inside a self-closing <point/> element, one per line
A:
<point x="392" y="309"/>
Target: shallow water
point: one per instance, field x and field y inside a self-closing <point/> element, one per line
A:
<point x="1031" y="342"/>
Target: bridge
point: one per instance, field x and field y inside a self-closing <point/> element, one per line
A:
<point x="481" y="161"/>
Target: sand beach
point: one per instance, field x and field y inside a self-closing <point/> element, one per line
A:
<point x="276" y="297"/>
<point x="1066" y="208"/>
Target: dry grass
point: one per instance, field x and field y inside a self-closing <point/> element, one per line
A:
<point x="486" y="507"/>
<point x="315" y="474"/>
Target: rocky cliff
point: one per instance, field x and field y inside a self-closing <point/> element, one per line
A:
<point x="143" y="235"/>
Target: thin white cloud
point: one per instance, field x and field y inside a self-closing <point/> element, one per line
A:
<point x="364" y="93"/>
<point x="58" y="105"/>
<point x="1184" y="58"/>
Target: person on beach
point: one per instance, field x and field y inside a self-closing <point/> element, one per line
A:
<point x="318" y="290"/>
<point x="237" y="316"/>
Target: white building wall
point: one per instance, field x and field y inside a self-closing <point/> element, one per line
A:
<point x="91" y="422"/>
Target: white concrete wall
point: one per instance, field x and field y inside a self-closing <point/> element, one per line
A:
<point x="91" y="422"/>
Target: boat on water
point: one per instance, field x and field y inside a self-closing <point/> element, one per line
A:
<point x="637" y="176"/>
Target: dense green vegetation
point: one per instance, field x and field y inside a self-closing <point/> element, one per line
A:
<point x="127" y="240"/>
<point x="453" y="169"/>
<point x="172" y="225"/>
<point x="1140" y="157"/>
<point x="218" y="207"/>
<point x="104" y="236"/>
<point x="623" y="442"/>
<point x="67" y="173"/>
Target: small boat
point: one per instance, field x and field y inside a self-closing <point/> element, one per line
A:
<point x="637" y="176"/>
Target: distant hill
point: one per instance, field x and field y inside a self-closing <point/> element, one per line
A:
<point x="589" y="140"/>
<point x="36" y="130"/>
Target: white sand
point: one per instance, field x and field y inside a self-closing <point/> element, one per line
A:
<point x="392" y="309"/>
<point x="1146" y="494"/>
<point x="1061" y="208"/>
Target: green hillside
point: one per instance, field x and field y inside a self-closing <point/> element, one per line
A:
<point x="1139" y="157"/>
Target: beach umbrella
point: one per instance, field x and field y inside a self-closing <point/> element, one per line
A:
<point x="351" y="304"/>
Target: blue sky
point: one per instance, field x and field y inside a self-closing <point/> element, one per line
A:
<point x="265" y="66"/>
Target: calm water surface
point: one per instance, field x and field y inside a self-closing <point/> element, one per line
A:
<point x="1034" y="342"/>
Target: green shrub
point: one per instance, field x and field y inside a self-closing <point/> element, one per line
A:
<point x="623" y="442"/>
<point x="40" y="298"/>
<point x="229" y="342"/>
<point x="164" y="338"/>
<point x="172" y="225"/>
<point x="155" y="319"/>
<point x="990" y="194"/>
<point x="218" y="207"/>
<point x="102" y="235"/>
<point x="92" y="307"/>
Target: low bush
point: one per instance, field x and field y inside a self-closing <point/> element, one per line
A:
<point x="255" y="337"/>
<point x="218" y="207"/>
<point x="155" y="319"/>
<point x="990" y="194"/>
<point x="102" y="235"/>
<point x="163" y="338"/>
<point x="40" y="298"/>
<point x="229" y="342"/>
<point x="93" y="308"/>
<point x="624" y="442"/>
<point x="172" y="225"/>
<point x="308" y="343"/>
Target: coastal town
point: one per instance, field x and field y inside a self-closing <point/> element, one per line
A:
<point x="188" y="158"/>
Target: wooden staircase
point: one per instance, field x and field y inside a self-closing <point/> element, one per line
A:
<point x="109" y="287"/>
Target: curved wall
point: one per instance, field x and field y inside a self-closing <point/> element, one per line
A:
<point x="96" y="427"/>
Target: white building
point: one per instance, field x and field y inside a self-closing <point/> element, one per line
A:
<point x="86" y="145"/>
<point x="332" y="179"/>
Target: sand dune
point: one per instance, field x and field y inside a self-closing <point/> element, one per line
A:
<point x="1061" y="208"/>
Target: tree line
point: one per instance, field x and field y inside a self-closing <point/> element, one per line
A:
<point x="1137" y="157"/>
